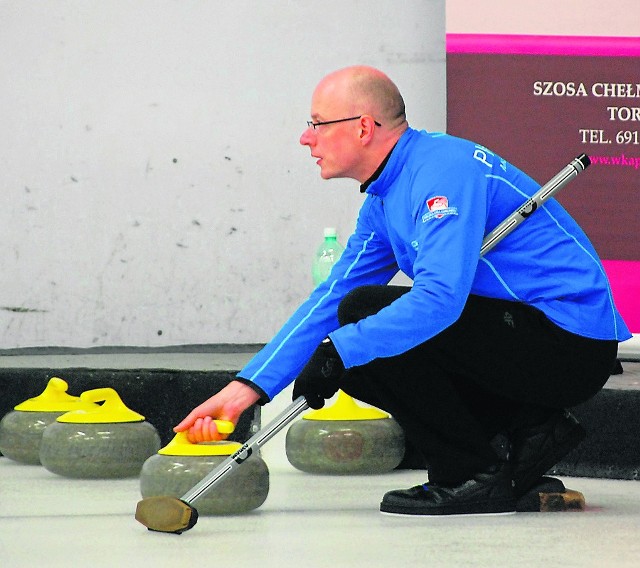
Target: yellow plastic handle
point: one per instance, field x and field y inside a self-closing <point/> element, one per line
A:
<point x="106" y="394"/>
<point x="54" y="398"/>
<point x="225" y="426"/>
<point x="345" y="408"/>
<point x="112" y="409"/>
<point x="181" y="446"/>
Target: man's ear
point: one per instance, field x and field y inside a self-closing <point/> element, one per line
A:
<point x="367" y="127"/>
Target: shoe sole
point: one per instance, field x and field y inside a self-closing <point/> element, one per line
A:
<point x="501" y="508"/>
<point x="527" y="482"/>
<point x="443" y="515"/>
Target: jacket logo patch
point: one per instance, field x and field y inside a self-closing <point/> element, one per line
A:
<point x="438" y="208"/>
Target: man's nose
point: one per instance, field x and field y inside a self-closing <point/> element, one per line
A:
<point x="307" y="137"/>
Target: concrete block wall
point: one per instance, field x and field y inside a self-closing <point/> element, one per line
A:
<point x="153" y="191"/>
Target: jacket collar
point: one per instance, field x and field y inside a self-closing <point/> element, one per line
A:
<point x="389" y="169"/>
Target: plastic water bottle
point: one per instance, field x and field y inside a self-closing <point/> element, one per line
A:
<point x="326" y="256"/>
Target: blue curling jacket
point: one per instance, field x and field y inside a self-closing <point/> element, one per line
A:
<point x="426" y="215"/>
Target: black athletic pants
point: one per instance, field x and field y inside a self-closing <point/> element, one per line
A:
<point x="501" y="366"/>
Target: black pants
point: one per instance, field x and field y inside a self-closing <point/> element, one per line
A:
<point x="501" y="366"/>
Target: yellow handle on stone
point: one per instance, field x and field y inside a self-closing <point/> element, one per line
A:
<point x="54" y="398"/>
<point x="112" y="409"/>
<point x="345" y="408"/>
<point x="181" y="446"/>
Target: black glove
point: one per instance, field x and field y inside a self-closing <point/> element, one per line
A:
<point x="320" y="379"/>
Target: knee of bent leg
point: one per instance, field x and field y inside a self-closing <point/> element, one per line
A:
<point x="367" y="300"/>
<point x="353" y="307"/>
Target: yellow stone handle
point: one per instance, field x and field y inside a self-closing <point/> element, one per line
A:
<point x="223" y="426"/>
<point x="112" y="409"/>
<point x="345" y="408"/>
<point x="57" y="389"/>
<point x="107" y="395"/>
<point x="181" y="446"/>
<point x="54" y="398"/>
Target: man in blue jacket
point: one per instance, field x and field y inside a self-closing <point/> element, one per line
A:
<point x="478" y="359"/>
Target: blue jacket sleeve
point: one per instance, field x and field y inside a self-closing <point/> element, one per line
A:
<point x="366" y="260"/>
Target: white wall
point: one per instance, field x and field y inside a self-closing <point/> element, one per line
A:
<point x="153" y="190"/>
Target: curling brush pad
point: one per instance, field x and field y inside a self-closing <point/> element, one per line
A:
<point x="570" y="500"/>
<point x="166" y="514"/>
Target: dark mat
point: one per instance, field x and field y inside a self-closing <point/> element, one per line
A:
<point x="612" y="447"/>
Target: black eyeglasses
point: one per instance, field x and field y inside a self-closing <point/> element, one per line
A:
<point x="314" y="125"/>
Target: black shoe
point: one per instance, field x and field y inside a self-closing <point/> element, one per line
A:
<point x="486" y="493"/>
<point x="530" y="501"/>
<point x="537" y="449"/>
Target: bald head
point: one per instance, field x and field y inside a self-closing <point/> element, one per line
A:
<point x="366" y="90"/>
<point x="357" y="118"/>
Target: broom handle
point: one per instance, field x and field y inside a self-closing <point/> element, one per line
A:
<point x="548" y="190"/>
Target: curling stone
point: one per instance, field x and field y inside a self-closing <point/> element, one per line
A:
<point x="345" y="439"/>
<point x="110" y="441"/>
<point x="21" y="429"/>
<point x="181" y="465"/>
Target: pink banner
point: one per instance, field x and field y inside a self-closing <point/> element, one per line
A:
<point x="625" y="283"/>
<point x="540" y="100"/>
<point x="544" y="45"/>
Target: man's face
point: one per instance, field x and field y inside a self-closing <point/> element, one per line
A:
<point x="336" y="146"/>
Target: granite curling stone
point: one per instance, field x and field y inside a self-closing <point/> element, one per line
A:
<point x="110" y="441"/>
<point x="21" y="429"/>
<point x="345" y="439"/>
<point x="181" y="465"/>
